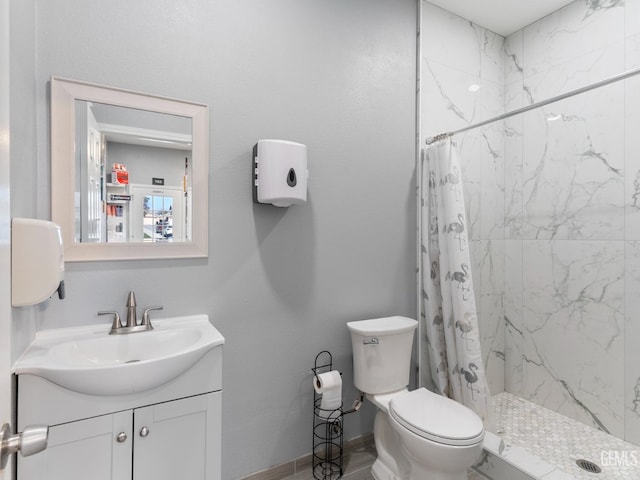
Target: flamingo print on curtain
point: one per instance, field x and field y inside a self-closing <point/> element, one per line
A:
<point x="448" y="302"/>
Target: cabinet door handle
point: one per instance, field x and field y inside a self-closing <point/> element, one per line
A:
<point x="144" y="431"/>
<point x="121" y="437"/>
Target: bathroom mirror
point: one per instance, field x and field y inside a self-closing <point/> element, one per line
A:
<point x="129" y="173"/>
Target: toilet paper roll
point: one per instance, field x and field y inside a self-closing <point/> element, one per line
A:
<point x="329" y="385"/>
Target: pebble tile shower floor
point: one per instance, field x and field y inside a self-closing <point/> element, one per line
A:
<point x="562" y="441"/>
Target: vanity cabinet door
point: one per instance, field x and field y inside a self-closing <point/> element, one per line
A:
<point x="84" y="449"/>
<point x="178" y="439"/>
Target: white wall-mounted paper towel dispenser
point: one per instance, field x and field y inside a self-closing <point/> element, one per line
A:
<point x="37" y="261"/>
<point x="280" y="172"/>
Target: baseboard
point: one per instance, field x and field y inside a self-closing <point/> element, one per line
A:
<point x="278" y="472"/>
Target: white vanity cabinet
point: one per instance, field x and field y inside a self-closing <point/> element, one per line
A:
<point x="169" y="432"/>
<point x="84" y="449"/>
<point x="169" y="440"/>
<point x="178" y="439"/>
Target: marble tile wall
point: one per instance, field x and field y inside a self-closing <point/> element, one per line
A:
<point x="567" y="211"/>
<point x="554" y="198"/>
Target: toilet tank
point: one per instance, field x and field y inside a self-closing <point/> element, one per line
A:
<point x="382" y="353"/>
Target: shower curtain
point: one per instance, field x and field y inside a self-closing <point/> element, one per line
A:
<point x="448" y="302"/>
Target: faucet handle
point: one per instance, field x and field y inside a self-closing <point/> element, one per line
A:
<point x="117" y="324"/>
<point x="146" y="320"/>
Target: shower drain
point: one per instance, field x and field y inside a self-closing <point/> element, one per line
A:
<point x="588" y="466"/>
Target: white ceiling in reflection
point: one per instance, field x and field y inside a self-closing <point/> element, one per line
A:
<point x="501" y="16"/>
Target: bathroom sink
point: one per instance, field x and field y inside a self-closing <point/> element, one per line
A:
<point x="89" y="360"/>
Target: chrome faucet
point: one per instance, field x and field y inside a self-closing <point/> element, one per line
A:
<point x="131" y="325"/>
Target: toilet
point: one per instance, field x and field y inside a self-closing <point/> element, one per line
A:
<point x="419" y="435"/>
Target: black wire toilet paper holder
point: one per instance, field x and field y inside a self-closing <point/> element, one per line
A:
<point x="327" y="451"/>
<point x="327" y="427"/>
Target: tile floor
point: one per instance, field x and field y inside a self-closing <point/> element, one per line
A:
<point x="357" y="466"/>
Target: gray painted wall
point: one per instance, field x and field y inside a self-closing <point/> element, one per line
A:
<point x="144" y="163"/>
<point x="280" y="284"/>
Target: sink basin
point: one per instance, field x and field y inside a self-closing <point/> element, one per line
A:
<point x="89" y="360"/>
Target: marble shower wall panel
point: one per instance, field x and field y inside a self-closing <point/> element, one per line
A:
<point x="450" y="64"/>
<point x="447" y="102"/>
<point x="632" y="246"/>
<point x="573" y="169"/>
<point x="491" y="158"/>
<point x="632" y="144"/>
<point x="571" y="32"/>
<point x="573" y="325"/>
<point x="470" y="161"/>
<point x="577" y="45"/>
<point x="491" y="312"/>
<point x="492" y="181"/>
<point x="492" y="61"/>
<point x="632" y="51"/>
<point x="632" y="334"/>
<point x="576" y="72"/>
<point x="449" y="39"/>
<point x="513" y="318"/>
<point x="513" y="136"/>
<point x="513" y="54"/>
<point x="462" y="72"/>
<point x="632" y="17"/>
<point x="513" y="186"/>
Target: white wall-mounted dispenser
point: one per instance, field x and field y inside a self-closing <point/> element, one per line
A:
<point x="280" y="172"/>
<point x="37" y="261"/>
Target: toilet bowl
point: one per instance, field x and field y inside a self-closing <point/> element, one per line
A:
<point x="419" y="435"/>
<point x="440" y="437"/>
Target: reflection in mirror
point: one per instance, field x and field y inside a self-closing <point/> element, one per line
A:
<point x="134" y="175"/>
<point x="133" y="167"/>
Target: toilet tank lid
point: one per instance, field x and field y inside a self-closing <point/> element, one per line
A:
<point x="383" y="326"/>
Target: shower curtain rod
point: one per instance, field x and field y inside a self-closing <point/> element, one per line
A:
<point x="577" y="91"/>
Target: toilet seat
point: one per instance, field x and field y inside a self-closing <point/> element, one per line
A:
<point x="437" y="418"/>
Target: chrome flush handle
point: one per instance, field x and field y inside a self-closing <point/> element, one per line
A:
<point x="371" y="341"/>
